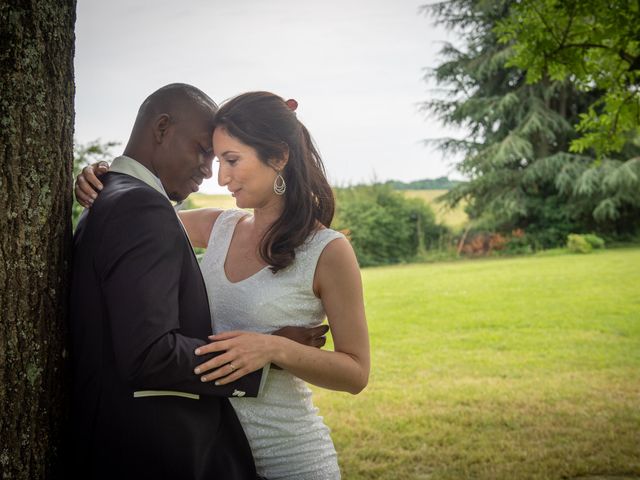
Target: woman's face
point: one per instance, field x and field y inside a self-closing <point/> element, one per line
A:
<point x="248" y="179"/>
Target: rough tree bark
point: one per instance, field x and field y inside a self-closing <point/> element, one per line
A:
<point x="36" y="159"/>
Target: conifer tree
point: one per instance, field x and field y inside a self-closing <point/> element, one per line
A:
<point x="517" y="152"/>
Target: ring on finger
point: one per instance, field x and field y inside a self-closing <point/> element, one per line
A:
<point x="233" y="368"/>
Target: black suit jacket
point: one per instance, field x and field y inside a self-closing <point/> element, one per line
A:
<point x="139" y="309"/>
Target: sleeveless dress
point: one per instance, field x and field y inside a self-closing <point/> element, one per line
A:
<point x="288" y="438"/>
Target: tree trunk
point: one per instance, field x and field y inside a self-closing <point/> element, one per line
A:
<point x="36" y="158"/>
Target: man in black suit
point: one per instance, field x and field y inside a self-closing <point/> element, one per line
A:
<point x="139" y="309"/>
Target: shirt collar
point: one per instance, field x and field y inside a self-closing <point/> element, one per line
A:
<point x="129" y="166"/>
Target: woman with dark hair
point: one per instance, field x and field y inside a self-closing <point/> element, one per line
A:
<point x="280" y="266"/>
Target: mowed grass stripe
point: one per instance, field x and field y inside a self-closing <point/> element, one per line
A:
<point x="525" y="368"/>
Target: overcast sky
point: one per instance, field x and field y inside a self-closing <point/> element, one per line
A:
<point x="354" y="66"/>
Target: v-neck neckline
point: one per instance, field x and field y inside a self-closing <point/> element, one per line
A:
<point x="226" y="257"/>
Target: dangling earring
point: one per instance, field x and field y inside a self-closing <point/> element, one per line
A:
<point x="279" y="185"/>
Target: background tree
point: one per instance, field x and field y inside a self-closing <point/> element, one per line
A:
<point x="37" y="115"/>
<point x="440" y="183"/>
<point x="517" y="154"/>
<point x="595" y="44"/>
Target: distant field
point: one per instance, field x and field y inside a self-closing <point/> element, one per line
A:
<point x="202" y="200"/>
<point x="453" y="218"/>
<point x="500" y="369"/>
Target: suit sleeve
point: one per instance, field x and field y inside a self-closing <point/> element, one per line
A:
<point x="139" y="264"/>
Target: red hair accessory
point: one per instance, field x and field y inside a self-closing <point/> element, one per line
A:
<point x="292" y="104"/>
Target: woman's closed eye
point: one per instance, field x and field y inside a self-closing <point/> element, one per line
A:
<point x="228" y="161"/>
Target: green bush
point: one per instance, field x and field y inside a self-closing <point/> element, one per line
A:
<point x="520" y="245"/>
<point x="578" y="244"/>
<point x="594" y="240"/>
<point x="385" y="227"/>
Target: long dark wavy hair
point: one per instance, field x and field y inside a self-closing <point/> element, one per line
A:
<point x="265" y="122"/>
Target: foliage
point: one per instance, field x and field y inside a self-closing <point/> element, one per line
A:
<point x="384" y="226"/>
<point x="518" y="243"/>
<point x="594" y="240"/>
<point x="518" y="246"/>
<point x="440" y="183"/>
<point x="584" y="243"/>
<point x="595" y="44"/>
<point x="519" y="368"/>
<point x="86" y="154"/>
<point x="578" y="244"/>
<point x="517" y="154"/>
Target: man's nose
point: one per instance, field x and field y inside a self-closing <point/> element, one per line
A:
<point x="206" y="169"/>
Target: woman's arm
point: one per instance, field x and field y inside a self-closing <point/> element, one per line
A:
<point x="337" y="281"/>
<point x="198" y="223"/>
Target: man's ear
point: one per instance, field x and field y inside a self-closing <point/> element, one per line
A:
<point x="160" y="126"/>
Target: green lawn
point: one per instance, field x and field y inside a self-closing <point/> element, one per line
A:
<point x="525" y="368"/>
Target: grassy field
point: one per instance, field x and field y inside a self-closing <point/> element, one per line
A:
<point x="524" y="368"/>
<point x="453" y="218"/>
<point x="202" y="200"/>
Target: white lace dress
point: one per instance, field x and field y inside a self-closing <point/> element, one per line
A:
<point x="288" y="438"/>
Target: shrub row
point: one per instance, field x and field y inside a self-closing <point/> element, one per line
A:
<point x="383" y="225"/>
<point x="584" y="243"/>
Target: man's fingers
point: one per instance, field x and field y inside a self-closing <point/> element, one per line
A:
<point x="319" y="336"/>
<point x="318" y="331"/>
<point x="319" y="342"/>
<point x="303" y="335"/>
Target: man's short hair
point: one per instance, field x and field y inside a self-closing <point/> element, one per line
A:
<point x="176" y="99"/>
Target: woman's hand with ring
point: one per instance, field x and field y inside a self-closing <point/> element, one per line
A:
<point x="242" y="353"/>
